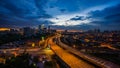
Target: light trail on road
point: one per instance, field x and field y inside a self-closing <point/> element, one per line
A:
<point x="68" y="58"/>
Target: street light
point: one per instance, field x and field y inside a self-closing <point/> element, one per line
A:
<point x="33" y="44"/>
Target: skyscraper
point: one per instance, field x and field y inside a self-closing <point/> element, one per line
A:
<point x="41" y="27"/>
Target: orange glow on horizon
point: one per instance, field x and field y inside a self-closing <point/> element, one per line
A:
<point x="4" y="29"/>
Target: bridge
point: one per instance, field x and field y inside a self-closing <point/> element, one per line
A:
<point x="97" y="61"/>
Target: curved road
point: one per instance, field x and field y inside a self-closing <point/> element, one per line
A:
<point x="95" y="60"/>
<point x="67" y="57"/>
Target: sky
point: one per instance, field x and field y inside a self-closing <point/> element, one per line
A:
<point x="64" y="14"/>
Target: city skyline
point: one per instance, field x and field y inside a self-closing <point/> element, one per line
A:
<point x="59" y="33"/>
<point x="64" y="14"/>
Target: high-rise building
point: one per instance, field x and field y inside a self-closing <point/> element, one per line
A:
<point x="49" y="29"/>
<point x="41" y="27"/>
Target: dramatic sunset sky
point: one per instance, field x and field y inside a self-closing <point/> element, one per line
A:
<point x="67" y="14"/>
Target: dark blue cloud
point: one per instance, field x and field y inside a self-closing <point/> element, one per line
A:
<point x="109" y="18"/>
<point x="24" y="8"/>
<point x="21" y="12"/>
<point x="107" y="11"/>
<point x="75" y="5"/>
<point x="33" y="12"/>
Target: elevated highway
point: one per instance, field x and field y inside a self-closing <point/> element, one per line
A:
<point x="69" y="58"/>
<point x="97" y="61"/>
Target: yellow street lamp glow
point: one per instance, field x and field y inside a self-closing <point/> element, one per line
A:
<point x="33" y="44"/>
<point x="87" y="40"/>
